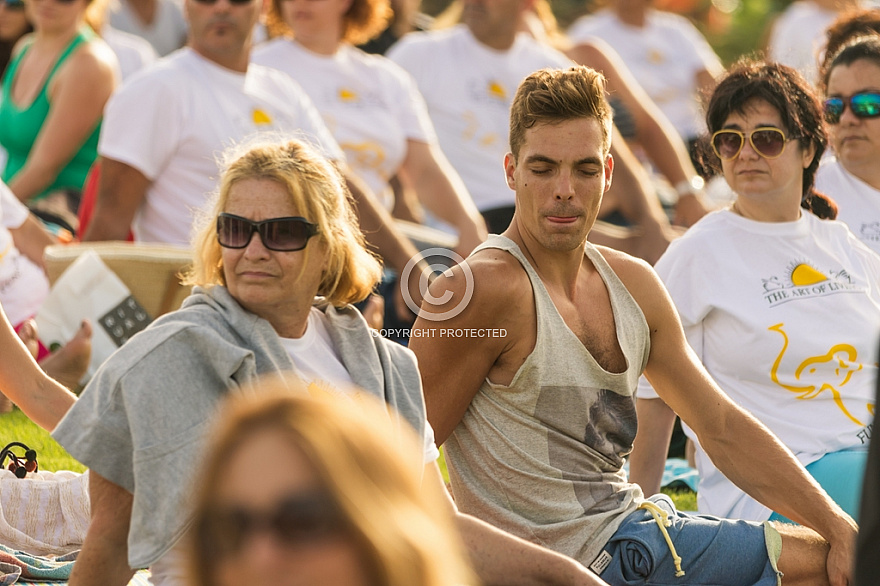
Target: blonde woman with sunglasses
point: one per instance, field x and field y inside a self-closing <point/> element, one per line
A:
<point x="780" y="302"/>
<point x="852" y="109"/>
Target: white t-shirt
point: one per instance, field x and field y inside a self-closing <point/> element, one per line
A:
<point x="23" y="285"/>
<point x="798" y="37"/>
<point x="858" y="202"/>
<point x="172" y="121"/>
<point x="133" y="52"/>
<point x="368" y="102"/>
<point x="469" y="88"/>
<point x="317" y="363"/>
<point x="166" y="33"/>
<point x="665" y="57"/>
<point x="785" y="317"/>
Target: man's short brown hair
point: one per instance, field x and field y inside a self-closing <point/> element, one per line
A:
<point x="550" y="96"/>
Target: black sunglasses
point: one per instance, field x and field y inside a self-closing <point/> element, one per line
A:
<point x="769" y="142"/>
<point x="296" y="520"/>
<point x="280" y="234"/>
<point x="863" y="105"/>
<point x="236" y="2"/>
<point x="14" y="4"/>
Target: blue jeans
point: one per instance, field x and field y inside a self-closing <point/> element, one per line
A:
<point x="713" y="551"/>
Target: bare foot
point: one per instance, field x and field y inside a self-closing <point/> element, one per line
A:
<point x="28" y="334"/>
<point x="69" y="363"/>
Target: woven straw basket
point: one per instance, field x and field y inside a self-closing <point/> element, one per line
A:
<point x="150" y="271"/>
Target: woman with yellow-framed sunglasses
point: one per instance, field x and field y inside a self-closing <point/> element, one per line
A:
<point x="779" y="302"/>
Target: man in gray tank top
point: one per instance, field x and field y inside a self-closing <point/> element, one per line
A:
<point x="530" y="355"/>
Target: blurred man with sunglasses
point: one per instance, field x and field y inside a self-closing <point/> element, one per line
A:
<point x="163" y="130"/>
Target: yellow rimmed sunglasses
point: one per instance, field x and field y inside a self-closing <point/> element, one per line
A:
<point x="769" y="142"/>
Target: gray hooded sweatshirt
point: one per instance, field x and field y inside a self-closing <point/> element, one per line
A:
<point x="141" y="421"/>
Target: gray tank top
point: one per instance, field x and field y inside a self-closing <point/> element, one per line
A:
<point x="543" y="457"/>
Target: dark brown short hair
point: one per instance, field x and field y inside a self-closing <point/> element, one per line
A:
<point x="791" y="95"/>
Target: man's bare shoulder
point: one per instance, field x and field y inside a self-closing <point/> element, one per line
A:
<point x="638" y="277"/>
<point x="490" y="282"/>
<point x="625" y="265"/>
<point x="498" y="276"/>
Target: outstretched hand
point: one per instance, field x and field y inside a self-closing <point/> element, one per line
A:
<point x="841" y="557"/>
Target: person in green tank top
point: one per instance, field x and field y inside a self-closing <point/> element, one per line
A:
<point x="53" y="93"/>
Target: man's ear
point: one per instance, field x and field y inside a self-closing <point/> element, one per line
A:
<point x="509" y="169"/>
<point x="609" y="168"/>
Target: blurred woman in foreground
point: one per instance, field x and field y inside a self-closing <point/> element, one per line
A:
<point x="311" y="490"/>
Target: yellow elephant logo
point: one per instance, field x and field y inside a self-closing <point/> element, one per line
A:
<point x="843" y="357"/>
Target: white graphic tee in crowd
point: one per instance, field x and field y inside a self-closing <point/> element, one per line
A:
<point x="23" y="285"/>
<point x="469" y="88"/>
<point x="166" y="33"/>
<point x="368" y="102"/>
<point x="318" y="364"/>
<point x="858" y="202"/>
<point x="173" y="121"/>
<point x="785" y="317"/>
<point x="664" y="56"/>
<point x="798" y="37"/>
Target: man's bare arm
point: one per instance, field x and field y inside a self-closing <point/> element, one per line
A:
<point x="121" y="190"/>
<point x="501" y="558"/>
<point x="453" y="368"/>
<point x="740" y="446"/>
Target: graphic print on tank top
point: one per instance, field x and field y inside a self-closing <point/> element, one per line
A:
<point x="581" y="419"/>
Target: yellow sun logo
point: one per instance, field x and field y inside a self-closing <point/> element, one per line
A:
<point x="347" y="95"/>
<point x="261" y="118"/>
<point x="803" y="275"/>
<point x="497" y="90"/>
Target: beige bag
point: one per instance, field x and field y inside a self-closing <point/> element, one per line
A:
<point x="45" y="513"/>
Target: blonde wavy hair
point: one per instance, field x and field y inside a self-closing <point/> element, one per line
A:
<point x="319" y="193"/>
<point x="362" y="22"/>
<point x="371" y="470"/>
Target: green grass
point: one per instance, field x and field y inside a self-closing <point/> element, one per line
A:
<point x="16" y="427"/>
<point x="684" y="499"/>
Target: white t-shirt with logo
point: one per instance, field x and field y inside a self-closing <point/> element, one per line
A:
<point x="469" y="88"/>
<point x="665" y="57"/>
<point x="23" y="285"/>
<point x="368" y="102"/>
<point x="858" y="202"/>
<point x="318" y="364"/>
<point x="785" y="317"/>
<point x="173" y="121"/>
